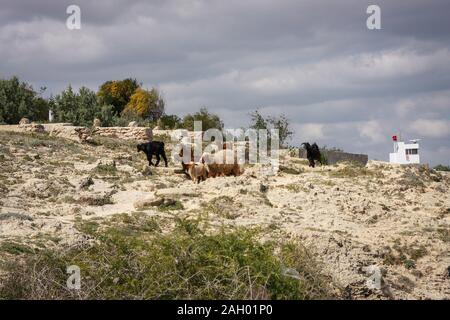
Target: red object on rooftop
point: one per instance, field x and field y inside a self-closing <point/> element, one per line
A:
<point x="394" y="138"/>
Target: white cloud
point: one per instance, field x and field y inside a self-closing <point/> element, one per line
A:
<point x="344" y="73"/>
<point x="428" y="105"/>
<point x="373" y="131"/>
<point x="309" y="131"/>
<point x="430" y="128"/>
<point x="42" y="43"/>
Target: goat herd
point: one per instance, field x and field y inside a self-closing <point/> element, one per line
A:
<point x="212" y="165"/>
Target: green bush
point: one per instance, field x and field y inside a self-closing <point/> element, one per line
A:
<point x="79" y="108"/>
<point x="18" y="100"/>
<point x="127" y="262"/>
<point x="441" y="167"/>
<point x="324" y="157"/>
<point x="108" y="116"/>
<point x="170" y="122"/>
<point x="209" y="120"/>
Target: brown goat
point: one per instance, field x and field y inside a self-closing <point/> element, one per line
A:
<point x="183" y="164"/>
<point x="197" y="171"/>
<point x="218" y="166"/>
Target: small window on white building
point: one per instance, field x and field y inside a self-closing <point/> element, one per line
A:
<point x="412" y="151"/>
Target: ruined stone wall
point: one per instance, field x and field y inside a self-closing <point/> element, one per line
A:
<point x="126" y="133"/>
<point x="74" y="133"/>
<point x="83" y="134"/>
<point x="337" y="156"/>
<point x="334" y="157"/>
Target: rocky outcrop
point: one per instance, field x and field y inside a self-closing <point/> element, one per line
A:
<point x="24" y="121"/>
<point x="32" y="127"/>
<point x="154" y="201"/>
<point x="148" y="202"/>
<point x="78" y="134"/>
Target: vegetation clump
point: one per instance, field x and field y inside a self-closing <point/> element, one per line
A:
<point x="404" y="254"/>
<point x="412" y="180"/>
<point x="96" y="200"/>
<point x="105" y="169"/>
<point x="441" y="167"/>
<point x="354" y="170"/>
<point x="189" y="262"/>
<point x="222" y="206"/>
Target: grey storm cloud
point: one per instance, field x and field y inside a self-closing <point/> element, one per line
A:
<point x="339" y="83"/>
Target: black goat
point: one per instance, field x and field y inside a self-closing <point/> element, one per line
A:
<point x="312" y="153"/>
<point x="153" y="148"/>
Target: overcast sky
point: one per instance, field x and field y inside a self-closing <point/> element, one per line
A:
<point x="339" y="83"/>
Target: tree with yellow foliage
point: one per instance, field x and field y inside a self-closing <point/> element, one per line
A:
<point x="117" y="93"/>
<point x="145" y="104"/>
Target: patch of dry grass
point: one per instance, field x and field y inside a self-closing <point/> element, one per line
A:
<point x="355" y="171"/>
<point x="223" y="206"/>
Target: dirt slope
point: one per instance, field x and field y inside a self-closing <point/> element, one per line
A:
<point x="395" y="218"/>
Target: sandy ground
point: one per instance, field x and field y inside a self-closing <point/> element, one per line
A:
<point x="389" y="217"/>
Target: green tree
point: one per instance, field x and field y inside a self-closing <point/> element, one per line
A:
<point x="117" y="93"/>
<point x="41" y="107"/>
<point x="258" y="121"/>
<point x="281" y="123"/>
<point x="78" y="108"/>
<point x="107" y="116"/>
<point x="209" y="120"/>
<point x="18" y="100"/>
<point x="170" y="121"/>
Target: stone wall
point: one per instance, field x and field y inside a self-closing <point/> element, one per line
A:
<point x="337" y="156"/>
<point x="83" y="134"/>
<point x="32" y="127"/>
<point x="126" y="133"/>
<point x="334" y="157"/>
<point x="68" y="131"/>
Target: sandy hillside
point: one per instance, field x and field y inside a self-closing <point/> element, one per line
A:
<point x="395" y="218"/>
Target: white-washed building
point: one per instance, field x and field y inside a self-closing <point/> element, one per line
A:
<point x="405" y="153"/>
